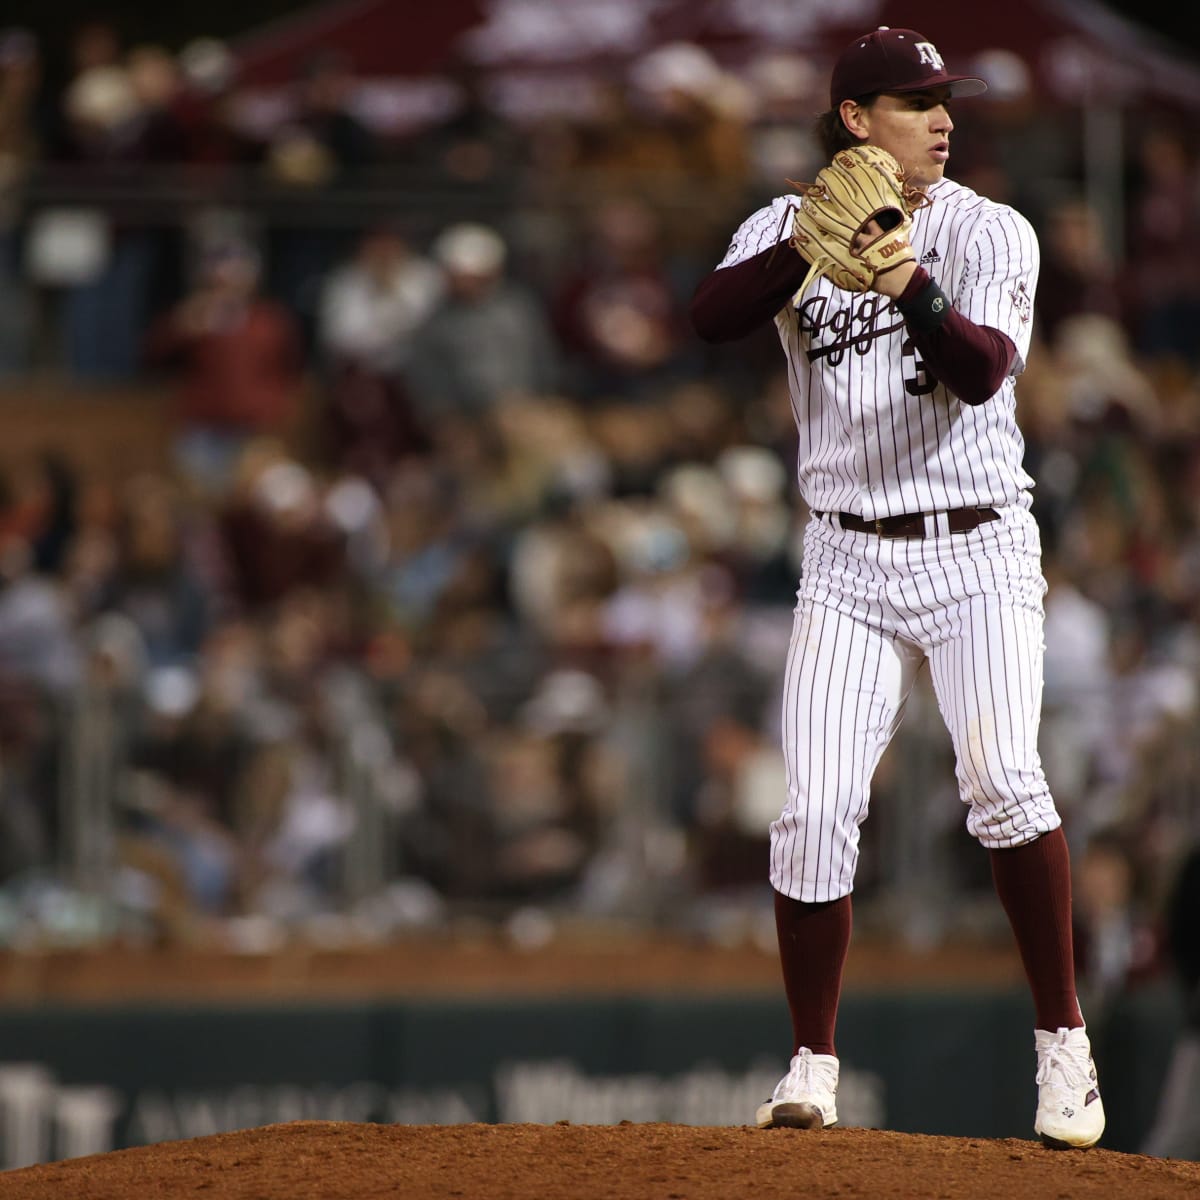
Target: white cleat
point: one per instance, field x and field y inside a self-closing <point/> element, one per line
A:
<point x="806" y="1097"/>
<point x="1070" y="1115"/>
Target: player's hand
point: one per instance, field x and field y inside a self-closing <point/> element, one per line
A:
<point x="890" y="283"/>
<point x="853" y="223"/>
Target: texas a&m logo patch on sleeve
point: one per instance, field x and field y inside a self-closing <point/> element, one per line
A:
<point x="1022" y="302"/>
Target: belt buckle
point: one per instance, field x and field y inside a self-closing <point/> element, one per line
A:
<point x="879" y="527"/>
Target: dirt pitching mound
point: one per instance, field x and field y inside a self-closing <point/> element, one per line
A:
<point x="332" y="1160"/>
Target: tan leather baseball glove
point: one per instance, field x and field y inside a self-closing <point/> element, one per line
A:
<point x="860" y="185"/>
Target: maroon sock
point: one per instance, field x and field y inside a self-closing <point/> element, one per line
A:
<point x="1034" y="885"/>
<point x="813" y="940"/>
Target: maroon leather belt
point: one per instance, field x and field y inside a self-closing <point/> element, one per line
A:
<point x="913" y="525"/>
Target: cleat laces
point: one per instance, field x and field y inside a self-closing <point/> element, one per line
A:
<point x="799" y="1079"/>
<point x="806" y="1077"/>
<point x="1065" y="1074"/>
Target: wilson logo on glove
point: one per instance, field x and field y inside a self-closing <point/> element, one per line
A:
<point x="829" y="225"/>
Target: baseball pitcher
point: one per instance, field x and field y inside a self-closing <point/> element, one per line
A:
<point x="904" y="302"/>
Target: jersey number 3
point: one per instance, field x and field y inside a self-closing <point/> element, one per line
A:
<point x="916" y="381"/>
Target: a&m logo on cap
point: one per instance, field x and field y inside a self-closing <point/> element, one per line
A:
<point x="927" y="53"/>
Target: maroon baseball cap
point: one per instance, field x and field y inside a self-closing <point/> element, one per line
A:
<point x="894" y="60"/>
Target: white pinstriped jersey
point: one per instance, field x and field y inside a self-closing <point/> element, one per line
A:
<point x="877" y="435"/>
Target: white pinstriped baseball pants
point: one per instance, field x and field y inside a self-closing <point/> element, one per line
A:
<point x="871" y="610"/>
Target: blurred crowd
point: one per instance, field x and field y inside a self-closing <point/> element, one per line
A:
<point x="467" y="585"/>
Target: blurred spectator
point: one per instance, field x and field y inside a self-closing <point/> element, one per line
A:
<point x="656" y="613"/>
<point x="154" y="580"/>
<point x="21" y="137"/>
<point x="423" y="547"/>
<point x="1164" y="219"/>
<point x="472" y="637"/>
<point x="239" y="363"/>
<point x="735" y="803"/>
<point x="616" y="313"/>
<point x="235" y="806"/>
<point x="119" y="127"/>
<point x="715" y="707"/>
<point x="637" y="441"/>
<point x="1178" y="390"/>
<point x="279" y="536"/>
<point x="38" y="644"/>
<point x="156" y="81"/>
<point x="488" y="340"/>
<point x="163" y="147"/>
<point x="785" y="89"/>
<point x="475" y="145"/>
<point x="1074" y="702"/>
<point x="27" y="785"/>
<point x="21" y="144"/>
<point x="1013" y="146"/>
<point x="1176" y="1129"/>
<point x="1078" y="274"/>
<point x="735" y="514"/>
<point x="38" y="505"/>
<point x="40" y="656"/>
<point x="701" y="112"/>
<point x="1152" y="704"/>
<point x="514" y="808"/>
<point x="1100" y="375"/>
<point x="103" y="117"/>
<point x="106" y="307"/>
<point x="542" y="814"/>
<point x="702" y="420"/>
<point x="371" y="307"/>
<point x="189" y="761"/>
<point x="326" y="142"/>
<point x="700" y="119"/>
<point x="94" y="49"/>
<point x="205" y="103"/>
<point x="615" y="142"/>
<point x="1115" y="946"/>
<point x="561" y="572"/>
<point x="439" y="727"/>
<point x="294" y="816"/>
<point x="94" y="43"/>
<point x="552" y="455"/>
<point x="324" y="146"/>
<point x="760" y="550"/>
<point x="676" y="120"/>
<point x="426" y="571"/>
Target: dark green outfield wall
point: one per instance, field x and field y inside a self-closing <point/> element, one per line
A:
<point x="957" y="1063"/>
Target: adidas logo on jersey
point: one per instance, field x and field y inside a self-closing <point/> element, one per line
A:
<point x="930" y="256"/>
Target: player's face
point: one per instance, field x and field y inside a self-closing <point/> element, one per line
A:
<point x="915" y="128"/>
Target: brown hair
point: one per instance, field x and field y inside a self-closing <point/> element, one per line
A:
<point x="831" y="131"/>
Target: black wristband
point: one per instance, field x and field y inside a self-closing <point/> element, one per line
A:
<point x="926" y="310"/>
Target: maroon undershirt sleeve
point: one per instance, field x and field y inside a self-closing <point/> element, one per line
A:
<point x="732" y="302"/>
<point x="971" y="360"/>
